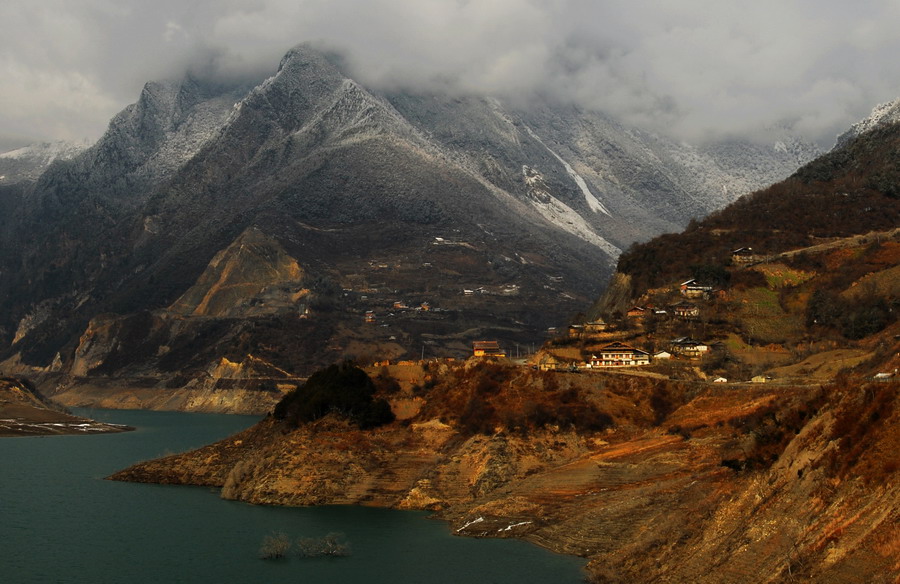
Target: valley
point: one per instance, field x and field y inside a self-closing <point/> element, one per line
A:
<point x="679" y="362"/>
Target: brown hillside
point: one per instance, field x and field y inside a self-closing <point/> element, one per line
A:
<point x="686" y="483"/>
<point x="850" y="191"/>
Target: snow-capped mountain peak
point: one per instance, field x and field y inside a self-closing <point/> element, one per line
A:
<point x="884" y="113"/>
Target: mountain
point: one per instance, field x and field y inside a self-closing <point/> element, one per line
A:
<point x="28" y="163"/>
<point x="379" y="199"/>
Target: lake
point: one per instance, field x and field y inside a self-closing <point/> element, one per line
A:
<point x="61" y="522"/>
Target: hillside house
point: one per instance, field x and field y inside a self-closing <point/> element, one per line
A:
<point x="743" y="255"/>
<point x="576" y="330"/>
<point x="595" y="326"/>
<point x="694" y="289"/>
<point x="636" y="312"/>
<point x="369" y="317"/>
<point x="550" y="362"/>
<point x="686" y="310"/>
<point x="487" y="349"/>
<point x="662" y="355"/>
<point x="688" y="347"/>
<point x="400" y="305"/>
<point x="619" y="355"/>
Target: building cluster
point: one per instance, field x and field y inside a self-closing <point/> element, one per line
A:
<point x="370" y="316"/>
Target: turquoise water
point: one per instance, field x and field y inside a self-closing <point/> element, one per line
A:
<point x="61" y="522"/>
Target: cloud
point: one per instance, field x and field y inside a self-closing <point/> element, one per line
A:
<point x="694" y="68"/>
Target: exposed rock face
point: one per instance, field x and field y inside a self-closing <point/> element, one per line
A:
<point x="749" y="485"/>
<point x="148" y="360"/>
<point x="251" y="277"/>
<point x="219" y="396"/>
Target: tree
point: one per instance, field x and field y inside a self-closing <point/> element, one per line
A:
<point x="343" y="389"/>
<point x="274" y="546"/>
<point x="333" y="544"/>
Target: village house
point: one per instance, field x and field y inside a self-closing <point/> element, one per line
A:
<point x="595" y="326"/>
<point x="619" y="355"/>
<point x="576" y="330"/>
<point x="369" y="316"/>
<point x="694" y="289"/>
<point x="688" y="347"/>
<point x="636" y="312"/>
<point x="686" y="310"/>
<point x="487" y="349"/>
<point x="550" y="362"/>
<point x="400" y="305"/>
<point x="884" y="377"/>
<point x="662" y="355"/>
<point x="743" y="255"/>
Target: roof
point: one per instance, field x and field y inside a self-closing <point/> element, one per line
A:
<point x="686" y="341"/>
<point x="486" y="345"/>
<point x="617" y="346"/>
<point x="693" y="283"/>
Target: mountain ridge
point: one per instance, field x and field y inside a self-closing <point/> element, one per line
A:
<point x="345" y="180"/>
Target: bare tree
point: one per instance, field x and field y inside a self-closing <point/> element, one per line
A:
<point x="274" y="546"/>
<point x="332" y="544"/>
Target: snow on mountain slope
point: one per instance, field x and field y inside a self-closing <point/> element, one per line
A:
<point x="343" y="176"/>
<point x="560" y="214"/>
<point x="27" y="164"/>
<point x="592" y="201"/>
<point x="884" y="113"/>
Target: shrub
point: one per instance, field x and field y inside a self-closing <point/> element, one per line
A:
<point x="274" y="546"/>
<point x="333" y="545"/>
<point x="661" y="404"/>
<point x="342" y="389"/>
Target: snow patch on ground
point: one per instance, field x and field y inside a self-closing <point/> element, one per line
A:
<point x="514" y="525"/>
<point x="593" y="202"/>
<point x="473" y="522"/>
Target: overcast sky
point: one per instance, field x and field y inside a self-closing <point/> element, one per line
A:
<point x="691" y="67"/>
